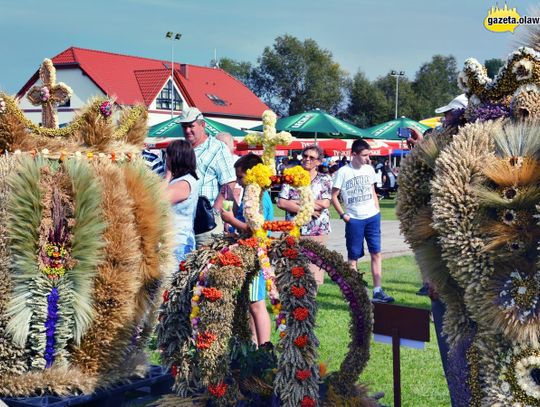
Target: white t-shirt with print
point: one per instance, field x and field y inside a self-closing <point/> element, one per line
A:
<point x="356" y="187"/>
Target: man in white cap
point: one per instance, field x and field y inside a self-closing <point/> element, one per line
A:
<point x="214" y="164"/>
<point x="457" y="104"/>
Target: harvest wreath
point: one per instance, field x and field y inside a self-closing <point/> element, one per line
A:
<point x="203" y="331"/>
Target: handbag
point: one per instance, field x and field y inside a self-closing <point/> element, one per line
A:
<point x="204" y="216"/>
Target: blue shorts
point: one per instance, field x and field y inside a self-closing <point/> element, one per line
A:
<point x="257" y="288"/>
<point x="356" y="230"/>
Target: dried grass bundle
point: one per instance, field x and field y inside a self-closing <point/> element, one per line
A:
<point x="62" y="381"/>
<point x="104" y="345"/>
<point x="152" y="227"/>
<point x="94" y="131"/>
<point x="138" y="128"/>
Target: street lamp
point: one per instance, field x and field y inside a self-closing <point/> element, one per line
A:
<point x="397" y="75"/>
<point x="172" y="36"/>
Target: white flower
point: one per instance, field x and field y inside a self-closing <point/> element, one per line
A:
<point x="17" y="152"/>
<point x="474" y="100"/>
<point x="505" y="387"/>
<point x="282" y="328"/>
<point x="522" y="290"/>
<point x="523" y="69"/>
<point x="463" y="82"/>
<point x="2" y="105"/>
<point x="45" y="152"/>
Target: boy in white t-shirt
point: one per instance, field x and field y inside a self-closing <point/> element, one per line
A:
<point x="362" y="216"/>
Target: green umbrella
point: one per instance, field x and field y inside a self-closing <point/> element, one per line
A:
<point x="389" y="130"/>
<point x="315" y="124"/>
<point x="171" y="129"/>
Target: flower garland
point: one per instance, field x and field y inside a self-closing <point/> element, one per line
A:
<point x="11" y="107"/>
<point x="352" y="286"/>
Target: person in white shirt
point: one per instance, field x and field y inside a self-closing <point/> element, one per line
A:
<point x="355" y="182"/>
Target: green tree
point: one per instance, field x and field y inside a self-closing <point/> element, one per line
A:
<point x="243" y="71"/>
<point x="407" y="99"/>
<point x="295" y="76"/>
<point x="435" y="84"/>
<point x="493" y="65"/>
<point x="368" y="105"/>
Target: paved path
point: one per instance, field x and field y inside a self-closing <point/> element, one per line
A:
<point x="392" y="240"/>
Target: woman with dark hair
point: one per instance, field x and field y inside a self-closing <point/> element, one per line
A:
<point x="182" y="192"/>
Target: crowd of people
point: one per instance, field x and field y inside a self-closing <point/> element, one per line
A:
<point x="202" y="168"/>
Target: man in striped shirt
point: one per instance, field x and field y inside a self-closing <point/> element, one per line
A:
<point x="154" y="160"/>
<point x="215" y="166"/>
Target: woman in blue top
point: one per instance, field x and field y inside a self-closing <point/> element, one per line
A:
<point x="183" y="194"/>
<point x="260" y="320"/>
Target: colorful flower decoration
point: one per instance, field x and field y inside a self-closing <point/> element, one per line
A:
<point x="44" y="94"/>
<point x="106" y="108"/>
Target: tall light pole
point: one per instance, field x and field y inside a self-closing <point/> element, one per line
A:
<point x="172" y="36"/>
<point x="397" y="75"/>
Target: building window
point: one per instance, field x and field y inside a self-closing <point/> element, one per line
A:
<point x="163" y="101"/>
<point x="216" y="99"/>
<point x="67" y="103"/>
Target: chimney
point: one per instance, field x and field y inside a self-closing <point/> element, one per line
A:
<point x="184" y="70"/>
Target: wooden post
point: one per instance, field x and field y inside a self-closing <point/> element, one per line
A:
<point x="396" y="366"/>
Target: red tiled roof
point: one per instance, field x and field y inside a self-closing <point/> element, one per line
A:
<point x="133" y="79"/>
<point x="150" y="82"/>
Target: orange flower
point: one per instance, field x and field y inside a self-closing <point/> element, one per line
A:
<point x="303" y="374"/>
<point x="290" y="253"/>
<point x="301" y="341"/>
<point x="212" y="294"/>
<point x="282" y="334"/>
<point x="229" y="259"/>
<point x="298" y="272"/>
<point x="165" y="295"/>
<point x="218" y="390"/>
<point x="298" y="292"/>
<point x="205" y="340"/>
<point x="300" y="313"/>
<point x="251" y="242"/>
<point x="323" y="369"/>
<point x="308" y="402"/>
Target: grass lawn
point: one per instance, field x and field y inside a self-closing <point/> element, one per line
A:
<point x="388" y="210"/>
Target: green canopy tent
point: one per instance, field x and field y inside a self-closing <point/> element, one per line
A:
<point x="171" y="129"/>
<point x="390" y="130"/>
<point x="317" y="124"/>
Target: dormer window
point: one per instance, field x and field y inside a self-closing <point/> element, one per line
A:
<point x="163" y="101"/>
<point x="216" y="99"/>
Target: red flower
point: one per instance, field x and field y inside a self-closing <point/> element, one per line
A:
<point x="229" y="259"/>
<point x="290" y="253"/>
<point x="218" y="390"/>
<point x="298" y="292"/>
<point x="165" y="295"/>
<point x="182" y="266"/>
<point x="251" y="242"/>
<point x="205" y="340"/>
<point x="300" y="313"/>
<point x="174" y="370"/>
<point x="212" y="294"/>
<point x="298" y="272"/>
<point x="291" y="241"/>
<point x="301" y="341"/>
<point x="303" y="374"/>
<point x="307" y="402"/>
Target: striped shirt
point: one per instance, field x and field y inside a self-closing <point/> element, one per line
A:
<point x="154" y="162"/>
<point x="214" y="167"/>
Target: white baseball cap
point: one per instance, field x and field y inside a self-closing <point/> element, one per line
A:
<point x="459" y="102"/>
<point x="189" y="115"/>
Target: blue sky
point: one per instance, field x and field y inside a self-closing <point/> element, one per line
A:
<point x="374" y="36"/>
